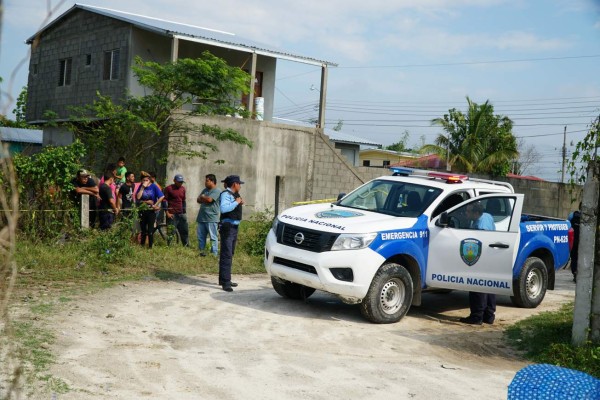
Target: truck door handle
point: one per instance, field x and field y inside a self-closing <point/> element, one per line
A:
<point x="499" y="245"/>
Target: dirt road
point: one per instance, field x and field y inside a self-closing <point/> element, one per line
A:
<point x="190" y="340"/>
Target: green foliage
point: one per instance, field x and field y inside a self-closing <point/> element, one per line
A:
<point x="546" y="338"/>
<point x="142" y="128"/>
<point x="401" y="144"/>
<point x="207" y="82"/>
<point x="253" y="234"/>
<point x="477" y="141"/>
<point x="338" y="126"/>
<point x="109" y="246"/>
<point x="585" y="151"/>
<point x="19" y="112"/>
<point x="44" y="181"/>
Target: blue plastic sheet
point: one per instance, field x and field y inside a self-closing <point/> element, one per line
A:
<point x="543" y="381"/>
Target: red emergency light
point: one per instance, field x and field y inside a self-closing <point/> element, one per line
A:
<point x="450" y="178"/>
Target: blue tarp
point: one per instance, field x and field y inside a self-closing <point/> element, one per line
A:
<point x="543" y="381"/>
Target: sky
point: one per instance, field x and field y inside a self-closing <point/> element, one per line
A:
<point x="400" y="63"/>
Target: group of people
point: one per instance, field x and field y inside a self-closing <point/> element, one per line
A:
<point x="117" y="193"/>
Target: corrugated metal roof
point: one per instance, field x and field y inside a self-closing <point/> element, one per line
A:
<point x="191" y="32"/>
<point x="345" y="138"/>
<point x="21" y="135"/>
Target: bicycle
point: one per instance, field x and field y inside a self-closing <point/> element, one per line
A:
<point x="166" y="232"/>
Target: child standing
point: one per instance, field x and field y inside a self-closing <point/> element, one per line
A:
<point x="121" y="172"/>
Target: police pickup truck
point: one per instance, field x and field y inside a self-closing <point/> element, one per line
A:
<point x="395" y="237"/>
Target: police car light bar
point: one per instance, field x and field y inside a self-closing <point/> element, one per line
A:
<point x="450" y="178"/>
<point x="401" y="171"/>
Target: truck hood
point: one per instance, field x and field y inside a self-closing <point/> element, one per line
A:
<point x="332" y="218"/>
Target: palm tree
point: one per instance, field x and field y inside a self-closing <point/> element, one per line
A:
<point x="477" y="141"/>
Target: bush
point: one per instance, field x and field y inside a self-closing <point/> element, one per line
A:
<point x="254" y="232"/>
<point x="44" y="181"/>
<point x="109" y="246"/>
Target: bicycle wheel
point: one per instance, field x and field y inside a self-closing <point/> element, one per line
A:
<point x="166" y="234"/>
<point x="172" y="235"/>
<point x="160" y="235"/>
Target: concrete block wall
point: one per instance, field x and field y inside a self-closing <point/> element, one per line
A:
<point x="307" y="166"/>
<point x="80" y="34"/>
<point x="332" y="173"/>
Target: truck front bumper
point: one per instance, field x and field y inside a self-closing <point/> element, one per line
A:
<point x="315" y="269"/>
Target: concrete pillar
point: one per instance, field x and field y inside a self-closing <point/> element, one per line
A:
<point x="84" y="213"/>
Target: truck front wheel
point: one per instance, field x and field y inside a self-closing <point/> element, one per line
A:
<point x="531" y="286"/>
<point x="389" y="296"/>
<point x="291" y="290"/>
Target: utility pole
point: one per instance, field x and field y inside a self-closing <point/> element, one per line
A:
<point x="448" y="155"/>
<point x="564" y="155"/>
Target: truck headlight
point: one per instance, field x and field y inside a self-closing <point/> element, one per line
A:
<point x="353" y="241"/>
<point x="274" y="225"/>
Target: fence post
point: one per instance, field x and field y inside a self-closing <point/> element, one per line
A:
<point x="85" y="211"/>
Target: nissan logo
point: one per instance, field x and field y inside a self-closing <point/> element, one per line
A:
<point x="298" y="238"/>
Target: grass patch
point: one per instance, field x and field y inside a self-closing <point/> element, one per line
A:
<point x="546" y="338"/>
<point x="34" y="346"/>
<point x="73" y="263"/>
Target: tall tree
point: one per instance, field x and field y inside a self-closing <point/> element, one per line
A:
<point x="528" y="157"/>
<point x="476" y="141"/>
<point x="141" y="126"/>
<point x="19" y="112"/>
<point x="401" y="144"/>
<point x="585" y="151"/>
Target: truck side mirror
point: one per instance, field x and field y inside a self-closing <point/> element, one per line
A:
<point x="340" y="196"/>
<point x="443" y="220"/>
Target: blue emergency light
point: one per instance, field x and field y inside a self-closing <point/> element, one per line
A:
<point x="402" y="171"/>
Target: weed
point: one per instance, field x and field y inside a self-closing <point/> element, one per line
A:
<point x="546" y="338"/>
<point x="253" y="233"/>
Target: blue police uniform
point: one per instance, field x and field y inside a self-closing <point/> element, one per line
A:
<point x="231" y="216"/>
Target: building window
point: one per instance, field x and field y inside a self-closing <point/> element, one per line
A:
<point x="34" y="69"/>
<point x="386" y="163"/>
<point x="111" y="65"/>
<point x="88" y="59"/>
<point x="366" y="163"/>
<point x="64" y="72"/>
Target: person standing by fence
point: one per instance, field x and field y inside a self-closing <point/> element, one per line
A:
<point x="84" y="184"/>
<point x="107" y="208"/>
<point x="176" y="208"/>
<point x="208" y="215"/>
<point x="575" y="220"/>
<point x="151" y="196"/>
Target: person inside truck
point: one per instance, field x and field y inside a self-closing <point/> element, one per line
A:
<point x="482" y="305"/>
<point x="479" y="219"/>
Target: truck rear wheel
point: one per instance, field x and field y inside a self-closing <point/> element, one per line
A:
<point x="291" y="290"/>
<point x="389" y="296"/>
<point x="532" y="284"/>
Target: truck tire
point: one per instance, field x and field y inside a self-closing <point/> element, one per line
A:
<point x="532" y="283"/>
<point x="291" y="290"/>
<point x="389" y="296"/>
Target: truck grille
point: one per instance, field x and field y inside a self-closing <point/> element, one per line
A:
<point x="315" y="241"/>
<point x="295" y="265"/>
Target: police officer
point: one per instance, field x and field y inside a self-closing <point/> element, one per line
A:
<point x="482" y="305"/>
<point x="230" y="203"/>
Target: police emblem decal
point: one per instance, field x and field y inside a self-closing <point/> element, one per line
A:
<point x="338" y="214"/>
<point x="470" y="251"/>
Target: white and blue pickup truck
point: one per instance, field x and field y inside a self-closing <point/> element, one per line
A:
<point x="395" y="237"/>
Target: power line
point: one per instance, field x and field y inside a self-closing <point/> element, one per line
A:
<point x="470" y="62"/>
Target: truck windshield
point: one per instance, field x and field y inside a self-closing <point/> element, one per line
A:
<point x="400" y="199"/>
